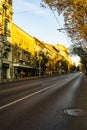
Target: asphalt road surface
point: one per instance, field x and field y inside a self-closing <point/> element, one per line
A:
<point x="50" y="103"/>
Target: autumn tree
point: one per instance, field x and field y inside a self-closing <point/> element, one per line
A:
<point x="75" y="16"/>
<point x="81" y="51"/>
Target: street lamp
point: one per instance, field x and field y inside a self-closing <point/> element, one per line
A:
<point x="1" y="51"/>
<point x="39" y="65"/>
<point x="39" y="68"/>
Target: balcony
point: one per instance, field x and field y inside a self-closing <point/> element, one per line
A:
<point x="0" y="10"/>
<point x="0" y="26"/>
<point x="11" y="12"/>
<point x="8" y="32"/>
<point x="6" y="5"/>
<point x="6" y="43"/>
<point x="7" y="17"/>
<point x="7" y="49"/>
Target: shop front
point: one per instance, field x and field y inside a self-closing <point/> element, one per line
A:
<point x="23" y="71"/>
<point x="5" y="67"/>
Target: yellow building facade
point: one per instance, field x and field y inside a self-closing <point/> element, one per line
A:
<point x="21" y="53"/>
<point x="5" y="39"/>
<point x="22" y="39"/>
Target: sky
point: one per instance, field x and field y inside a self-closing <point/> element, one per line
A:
<point x="39" y="22"/>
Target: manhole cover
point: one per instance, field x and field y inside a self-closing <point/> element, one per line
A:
<point x="74" y="112"/>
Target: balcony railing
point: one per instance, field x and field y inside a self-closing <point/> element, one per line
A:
<point x="6" y="48"/>
<point x="11" y="12"/>
<point x="0" y="26"/>
<point x="0" y="10"/>
<point x="7" y="17"/>
<point x="8" y="32"/>
<point x="6" y="43"/>
<point x="6" y="5"/>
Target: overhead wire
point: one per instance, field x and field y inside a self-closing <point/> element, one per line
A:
<point x="53" y="15"/>
<point x="56" y="18"/>
<point x="60" y="26"/>
<point x="21" y="12"/>
<point x="58" y="22"/>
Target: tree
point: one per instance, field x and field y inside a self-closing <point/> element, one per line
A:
<point x="44" y="61"/>
<point x="75" y="16"/>
<point x="64" y="65"/>
<point x="41" y="59"/>
<point x="80" y="51"/>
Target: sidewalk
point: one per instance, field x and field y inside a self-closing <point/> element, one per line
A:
<point x="7" y="82"/>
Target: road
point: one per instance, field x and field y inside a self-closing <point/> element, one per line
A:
<point x="50" y="103"/>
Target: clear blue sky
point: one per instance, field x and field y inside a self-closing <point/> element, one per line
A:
<point x="39" y="22"/>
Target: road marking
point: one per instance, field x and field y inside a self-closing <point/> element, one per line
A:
<point x="11" y="89"/>
<point x="11" y="103"/>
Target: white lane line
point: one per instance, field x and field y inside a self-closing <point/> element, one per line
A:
<point x="11" y="103"/>
<point x="12" y="89"/>
<point x="21" y="99"/>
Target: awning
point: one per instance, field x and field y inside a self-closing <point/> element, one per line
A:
<point x="24" y="66"/>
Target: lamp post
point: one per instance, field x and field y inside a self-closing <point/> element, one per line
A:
<point x="39" y="68"/>
<point x="1" y="51"/>
<point x="39" y="65"/>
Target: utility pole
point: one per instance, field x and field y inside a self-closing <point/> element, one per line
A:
<point x="1" y="61"/>
<point x="39" y="65"/>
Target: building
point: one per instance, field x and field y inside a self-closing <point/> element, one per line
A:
<point x="22" y="52"/>
<point x="6" y="39"/>
<point x="54" y="59"/>
<point x="22" y="55"/>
